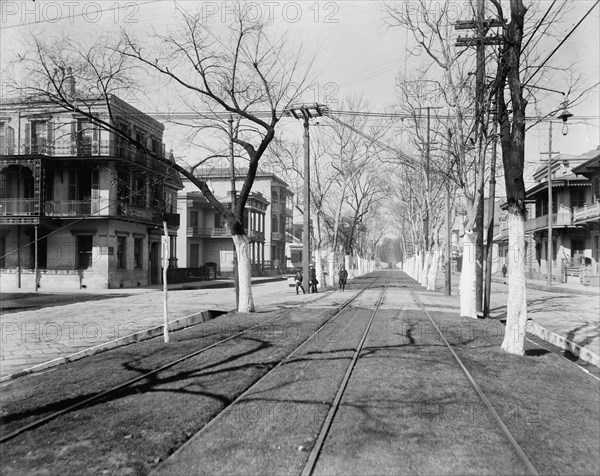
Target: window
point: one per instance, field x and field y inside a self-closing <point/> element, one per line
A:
<point x="596" y="189"/>
<point x="121" y="252"/>
<point x="2" y="252"/>
<point x="84" y="251"/>
<point x="139" y="191"/>
<point x="577" y="197"/>
<point x="194" y="219"/>
<point x="7" y="139"/>
<point x="138" y="246"/>
<point x="86" y="134"/>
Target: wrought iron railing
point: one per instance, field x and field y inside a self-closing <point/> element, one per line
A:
<point x="68" y="208"/>
<point x="17" y="206"/>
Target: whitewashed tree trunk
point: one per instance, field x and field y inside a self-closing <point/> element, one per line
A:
<point x="242" y="246"/>
<point x="468" y="306"/>
<point x="516" y="310"/>
<point x="165" y="263"/>
<point x="425" y="269"/>
<point x="433" y="271"/>
<point x="348" y="266"/>
<point x="331" y="267"/>
<point x="319" y="269"/>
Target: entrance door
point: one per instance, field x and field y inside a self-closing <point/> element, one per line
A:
<point x="154" y="263"/>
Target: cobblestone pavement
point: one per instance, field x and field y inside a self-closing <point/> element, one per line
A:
<point x="33" y="336"/>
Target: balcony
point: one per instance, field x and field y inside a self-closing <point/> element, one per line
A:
<point x="220" y="233"/>
<point x="70" y="208"/>
<point x="275" y="236"/>
<point x="198" y="232"/>
<point x="85" y="148"/>
<point x="540" y="223"/>
<point x="586" y="213"/>
<point x="17" y="206"/>
<point x="136" y="212"/>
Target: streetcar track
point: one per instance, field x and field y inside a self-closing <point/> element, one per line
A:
<point x="224" y="411"/>
<point x="507" y="433"/>
<point x="318" y="446"/>
<point x="87" y="401"/>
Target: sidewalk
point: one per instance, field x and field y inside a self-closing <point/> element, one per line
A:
<point x="566" y="315"/>
<point x="43" y="330"/>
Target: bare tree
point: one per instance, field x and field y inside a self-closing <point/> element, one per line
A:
<point x="238" y="72"/>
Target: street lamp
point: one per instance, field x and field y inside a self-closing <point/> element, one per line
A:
<point x="564" y="115"/>
<point x="307" y="112"/>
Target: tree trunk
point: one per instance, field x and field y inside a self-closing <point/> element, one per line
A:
<point x="165" y="263"/>
<point x="242" y="246"/>
<point x="319" y="268"/>
<point x="468" y="306"/>
<point x="516" y="310"/>
<point x="433" y="270"/>
<point x="331" y="267"/>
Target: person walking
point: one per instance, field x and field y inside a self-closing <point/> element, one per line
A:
<point x="299" y="278"/>
<point x="342" y="276"/>
<point x="312" y="282"/>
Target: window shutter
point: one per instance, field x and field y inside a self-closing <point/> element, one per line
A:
<point x="26" y="140"/>
<point x="50" y="136"/>
<point x="74" y="138"/>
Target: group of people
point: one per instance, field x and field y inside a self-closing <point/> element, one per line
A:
<point x="312" y="282"/>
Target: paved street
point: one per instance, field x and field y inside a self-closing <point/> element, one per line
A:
<point x="33" y="336"/>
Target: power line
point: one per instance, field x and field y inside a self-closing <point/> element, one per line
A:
<point x="561" y="43"/>
<point x="69" y="16"/>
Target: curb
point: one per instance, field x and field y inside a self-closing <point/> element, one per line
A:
<point x="550" y="289"/>
<point x="175" y="325"/>
<point x="563" y="343"/>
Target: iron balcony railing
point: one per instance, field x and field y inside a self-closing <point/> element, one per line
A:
<point x="17" y="206"/>
<point x="198" y="232"/>
<point x="220" y="232"/>
<point x="74" y="208"/>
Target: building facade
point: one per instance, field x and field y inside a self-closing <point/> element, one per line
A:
<point x="575" y="215"/>
<point x="268" y="222"/>
<point x="205" y="242"/>
<point x="79" y="206"/>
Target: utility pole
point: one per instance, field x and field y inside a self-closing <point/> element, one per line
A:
<point x="490" y="227"/>
<point x="427" y="159"/>
<point x="481" y="27"/>
<point x="306" y="113"/>
<point x="233" y="200"/>
<point x="449" y="242"/>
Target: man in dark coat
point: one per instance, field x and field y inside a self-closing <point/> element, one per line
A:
<point x="342" y="276"/>
<point x="312" y="283"/>
<point x="299" y="278"/>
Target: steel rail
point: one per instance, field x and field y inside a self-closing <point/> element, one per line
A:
<point x="515" y="444"/>
<point x="115" y="388"/>
<point x="318" y="446"/>
<point x="240" y="397"/>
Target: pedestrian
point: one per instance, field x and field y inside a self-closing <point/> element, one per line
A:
<point x="299" y="278"/>
<point x="312" y="283"/>
<point x="504" y="270"/>
<point x="343" y="276"/>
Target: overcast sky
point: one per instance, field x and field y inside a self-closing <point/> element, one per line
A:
<point x="355" y="52"/>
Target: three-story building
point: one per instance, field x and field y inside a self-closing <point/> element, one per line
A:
<point x="79" y="206"/>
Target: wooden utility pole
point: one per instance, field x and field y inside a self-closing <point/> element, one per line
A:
<point x="236" y="281"/>
<point x="481" y="27"/>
